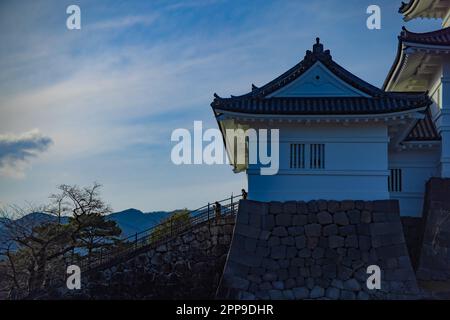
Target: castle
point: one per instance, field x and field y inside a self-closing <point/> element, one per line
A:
<point x="341" y="137"/>
<point x="364" y="178"/>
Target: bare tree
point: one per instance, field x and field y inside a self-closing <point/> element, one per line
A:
<point x="34" y="249"/>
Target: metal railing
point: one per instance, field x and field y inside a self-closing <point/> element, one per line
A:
<point x="157" y="235"/>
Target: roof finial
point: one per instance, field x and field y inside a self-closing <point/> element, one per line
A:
<point x="318" y="47"/>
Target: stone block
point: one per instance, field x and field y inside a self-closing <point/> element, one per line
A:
<point x="296" y="231"/>
<point x="313" y="230"/>
<point x="362" y="296"/>
<point x="250" y="245"/>
<point x="348" y="295"/>
<point x="302" y="208"/>
<point x="297" y="262"/>
<point x="264" y="235"/>
<point x="283" y="219"/>
<point x="312" y="206"/>
<point x="293" y="272"/>
<point x="364" y="242"/>
<point x="347" y="205"/>
<point x="268" y="222"/>
<point x="333" y="206"/>
<point x="359" y="204"/>
<point x="291" y="252"/>
<point x="329" y="230"/>
<point x="236" y="282"/>
<point x="329" y="271"/>
<point x="278" y="285"/>
<point x="270" y="276"/>
<point x="315" y="271"/>
<point x="290" y="207"/>
<point x="336" y="283"/>
<point x="318" y="253"/>
<point x="324" y="217"/>
<point x="288" y="295"/>
<point x="322" y="205"/>
<point x="284" y="263"/>
<point x="283" y="274"/>
<point x="344" y="273"/>
<point x="265" y="286"/>
<point x="301" y="293"/>
<point x="278" y="252"/>
<point x="333" y="293"/>
<point x="274" y="241"/>
<point x="247" y="231"/>
<point x="300" y="220"/>
<point x="379" y="216"/>
<point x="366" y="216"/>
<point x="351" y="241"/>
<point x="384" y="228"/>
<point x="368" y="205"/>
<point x="304" y="253"/>
<point x="392" y="251"/>
<point x="352" y="285"/>
<point x="347" y="230"/>
<point x="317" y="292"/>
<point x="275" y="207"/>
<point x="354" y="254"/>
<point x="288" y="241"/>
<point x="387" y="206"/>
<point x="280" y="231"/>
<point x="354" y="216"/>
<point x="300" y="242"/>
<point x="249" y="260"/>
<point x="276" y="295"/>
<point x="340" y="218"/>
<point x="312" y="242"/>
<point x="336" y="241"/>
<point x="262" y="251"/>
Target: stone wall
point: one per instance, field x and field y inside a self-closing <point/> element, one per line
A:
<point x="188" y="267"/>
<point x="435" y="254"/>
<point x="317" y="250"/>
<point x="413" y="228"/>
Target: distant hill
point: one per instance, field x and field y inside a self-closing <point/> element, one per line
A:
<point x="133" y="220"/>
<point x="130" y="220"/>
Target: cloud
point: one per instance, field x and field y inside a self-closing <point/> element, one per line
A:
<point x="126" y="22"/>
<point x="16" y="151"/>
<point x="192" y="4"/>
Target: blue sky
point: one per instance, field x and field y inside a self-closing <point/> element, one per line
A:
<point x="100" y="103"/>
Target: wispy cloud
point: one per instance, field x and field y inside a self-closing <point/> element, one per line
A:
<point x="125" y="22"/>
<point x="192" y="4"/>
<point x="17" y="150"/>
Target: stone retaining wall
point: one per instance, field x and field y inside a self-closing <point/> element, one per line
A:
<point x="188" y="267"/>
<point x="413" y="228"/>
<point x="435" y="254"/>
<point x="317" y="250"/>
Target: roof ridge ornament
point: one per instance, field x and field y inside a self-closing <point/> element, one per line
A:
<point x="318" y="47"/>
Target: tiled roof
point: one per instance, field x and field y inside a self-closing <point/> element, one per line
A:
<point x="435" y="38"/>
<point x="378" y="102"/>
<point x="424" y="130"/>
<point x="438" y="37"/>
<point x="405" y="6"/>
<point x="311" y="57"/>
<point x="321" y="105"/>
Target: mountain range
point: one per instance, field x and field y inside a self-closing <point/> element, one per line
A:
<point x="130" y="221"/>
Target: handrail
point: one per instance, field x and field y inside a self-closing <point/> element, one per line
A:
<point x="151" y="237"/>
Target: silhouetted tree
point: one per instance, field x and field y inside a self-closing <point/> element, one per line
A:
<point x="35" y="250"/>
